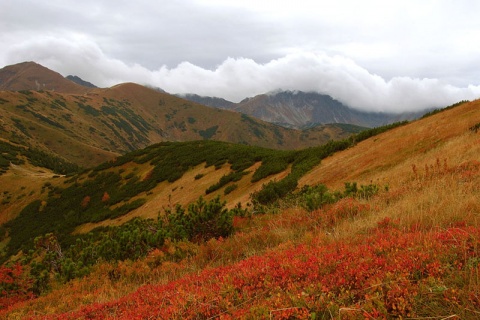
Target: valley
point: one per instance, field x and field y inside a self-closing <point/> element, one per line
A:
<point x="128" y="202"/>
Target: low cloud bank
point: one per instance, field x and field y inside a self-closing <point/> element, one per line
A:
<point x="237" y="78"/>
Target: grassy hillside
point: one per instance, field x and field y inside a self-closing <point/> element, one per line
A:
<point x="23" y="171"/>
<point x="97" y="126"/>
<point x="386" y="226"/>
<point x="123" y="187"/>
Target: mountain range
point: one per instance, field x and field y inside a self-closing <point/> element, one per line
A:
<point x="89" y="125"/>
<point x="298" y="109"/>
<point x="380" y="224"/>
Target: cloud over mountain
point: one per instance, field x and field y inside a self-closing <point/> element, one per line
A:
<point x="372" y="55"/>
<point x="237" y="78"/>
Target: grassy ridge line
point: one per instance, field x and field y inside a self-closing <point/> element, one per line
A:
<point x="97" y="127"/>
<point x="435" y="111"/>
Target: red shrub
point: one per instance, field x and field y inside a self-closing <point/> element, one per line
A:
<point x="15" y="286"/>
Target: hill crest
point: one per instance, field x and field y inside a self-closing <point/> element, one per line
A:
<point x="33" y="76"/>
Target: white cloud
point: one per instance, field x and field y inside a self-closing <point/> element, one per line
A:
<point x="373" y="55"/>
<point x="237" y="78"/>
<point x="336" y="76"/>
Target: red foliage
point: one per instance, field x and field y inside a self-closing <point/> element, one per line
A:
<point x="85" y="201"/>
<point x="239" y="222"/>
<point x="106" y="197"/>
<point x="15" y="286"/>
<point x="387" y="223"/>
<point x="378" y="276"/>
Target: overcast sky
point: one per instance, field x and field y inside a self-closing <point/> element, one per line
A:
<point x="374" y="55"/>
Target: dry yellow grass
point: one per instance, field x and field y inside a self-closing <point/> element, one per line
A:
<point x="421" y="165"/>
<point x="22" y="184"/>
<point x="438" y="197"/>
<point x="187" y="190"/>
<point x="385" y="152"/>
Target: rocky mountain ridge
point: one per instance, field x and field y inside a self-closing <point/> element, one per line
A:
<point x="298" y="109"/>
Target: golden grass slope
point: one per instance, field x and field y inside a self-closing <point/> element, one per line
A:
<point x="387" y="157"/>
<point x="187" y="190"/>
<point x="429" y="166"/>
<point x="19" y="186"/>
<point x="402" y="159"/>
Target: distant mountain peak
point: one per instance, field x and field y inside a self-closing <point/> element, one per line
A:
<point x="300" y="109"/>
<point x="282" y="91"/>
<point x="80" y="81"/>
<point x="214" y="102"/>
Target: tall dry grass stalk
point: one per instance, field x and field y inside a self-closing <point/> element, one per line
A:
<point x="438" y="188"/>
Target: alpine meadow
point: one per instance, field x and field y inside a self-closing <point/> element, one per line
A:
<point x="128" y="202"/>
